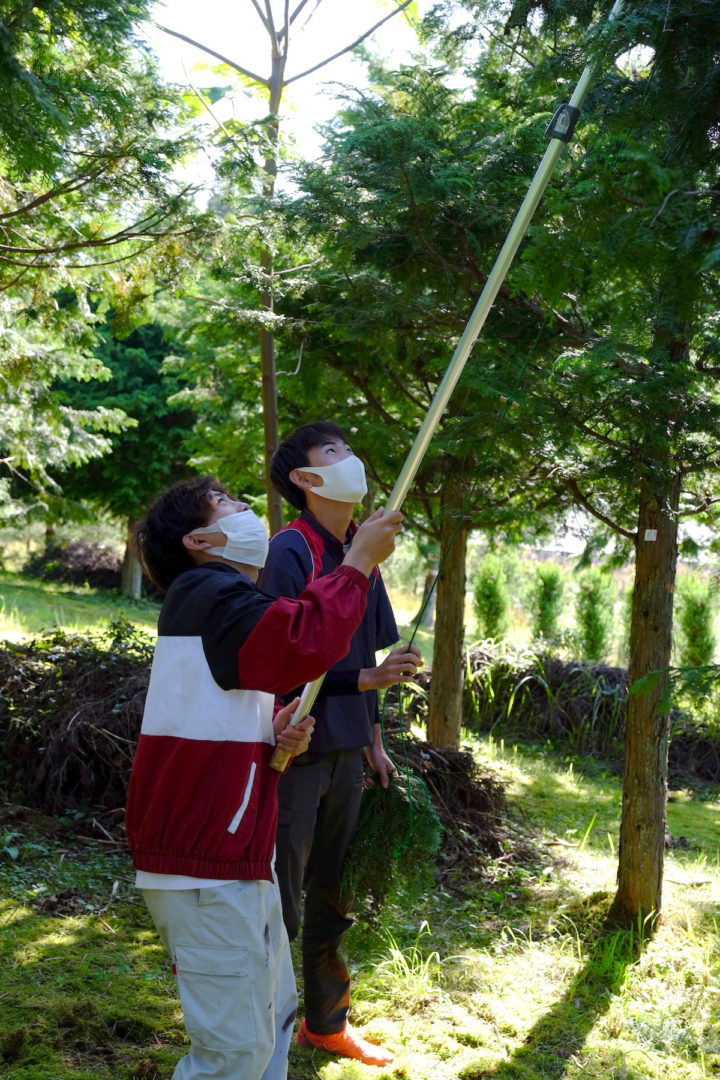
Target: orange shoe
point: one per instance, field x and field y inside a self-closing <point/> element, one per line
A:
<point x="347" y="1043"/>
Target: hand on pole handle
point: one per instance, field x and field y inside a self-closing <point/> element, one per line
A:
<point x="374" y="541"/>
<point x="292" y="735"/>
<point x="399" y="666"/>
<point x="290" y="717"/>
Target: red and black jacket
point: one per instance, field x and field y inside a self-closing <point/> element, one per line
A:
<point x="202" y="799"/>
<point x="306" y="551"/>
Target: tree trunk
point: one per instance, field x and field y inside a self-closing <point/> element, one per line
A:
<point x="445" y="712"/>
<point x="131" y="572"/>
<point x="369" y="503"/>
<point x="267" y="297"/>
<point x="426" y="612"/>
<point x="642" y="831"/>
<point x="269" y="402"/>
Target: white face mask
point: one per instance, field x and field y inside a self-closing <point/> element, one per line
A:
<point x="247" y="540"/>
<point x="344" y="481"/>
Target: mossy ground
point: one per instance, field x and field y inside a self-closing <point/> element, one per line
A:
<point x="509" y="976"/>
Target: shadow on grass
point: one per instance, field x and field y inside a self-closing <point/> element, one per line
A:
<point x="555" y="1040"/>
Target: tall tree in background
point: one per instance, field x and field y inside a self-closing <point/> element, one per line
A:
<point x="277" y="22"/>
<point x="85" y="195"/>
<point x="150" y="453"/>
<point x="406" y="244"/>
<point x="629" y="250"/>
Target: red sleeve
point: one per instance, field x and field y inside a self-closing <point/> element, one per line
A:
<point x="296" y="641"/>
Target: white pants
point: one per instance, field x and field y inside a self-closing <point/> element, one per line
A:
<point x="235" y="979"/>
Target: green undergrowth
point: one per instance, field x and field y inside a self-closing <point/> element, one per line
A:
<point x="28" y="607"/>
<point x="509" y="975"/>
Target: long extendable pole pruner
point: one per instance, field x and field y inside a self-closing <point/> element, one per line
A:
<point x="560" y="131"/>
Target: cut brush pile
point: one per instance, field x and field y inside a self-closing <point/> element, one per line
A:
<point x="70" y="712"/>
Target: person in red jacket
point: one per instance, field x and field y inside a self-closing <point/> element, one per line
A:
<point x="202" y="800"/>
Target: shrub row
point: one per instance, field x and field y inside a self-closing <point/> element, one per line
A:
<point x="601" y="613"/>
<point x="580" y="707"/>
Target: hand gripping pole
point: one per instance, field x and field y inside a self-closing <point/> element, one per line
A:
<point x="560" y="132"/>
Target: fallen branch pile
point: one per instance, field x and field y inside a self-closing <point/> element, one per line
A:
<point x="70" y="712"/>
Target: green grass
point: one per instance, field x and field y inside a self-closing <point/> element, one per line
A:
<point x="28" y="606"/>
<point x="510" y="976"/>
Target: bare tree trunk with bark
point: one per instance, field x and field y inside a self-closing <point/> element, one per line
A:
<point x="131" y="571"/>
<point x="445" y="711"/>
<point x="642" y="832"/>
<point x="641" y="854"/>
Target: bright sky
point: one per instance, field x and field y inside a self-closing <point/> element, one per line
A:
<point x="233" y="28"/>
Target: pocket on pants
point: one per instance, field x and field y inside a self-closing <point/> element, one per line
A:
<point x="215" y="988"/>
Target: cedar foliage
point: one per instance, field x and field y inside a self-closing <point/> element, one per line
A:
<point x="594" y="613"/>
<point x="549" y="587"/>
<point x="396" y="843"/>
<point x="696" y="618"/>
<point x="441" y="815"/>
<point x="491" y="597"/>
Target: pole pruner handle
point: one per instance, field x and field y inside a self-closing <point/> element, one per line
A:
<point x="281" y="757"/>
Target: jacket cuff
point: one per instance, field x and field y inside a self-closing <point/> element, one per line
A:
<point x="355" y="575"/>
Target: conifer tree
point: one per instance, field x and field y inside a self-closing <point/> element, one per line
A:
<point x="604" y="334"/>
<point x="623" y="423"/>
<point x="85" y="198"/>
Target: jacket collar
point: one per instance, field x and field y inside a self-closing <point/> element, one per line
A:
<point x="329" y="539"/>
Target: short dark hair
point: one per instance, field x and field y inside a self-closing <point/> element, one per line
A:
<point x="173" y="514"/>
<point x="292" y="453"/>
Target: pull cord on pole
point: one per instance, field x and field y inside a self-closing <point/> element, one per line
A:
<point x="560" y="131"/>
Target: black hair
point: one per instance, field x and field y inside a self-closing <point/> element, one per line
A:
<point x="173" y="514"/>
<point x="292" y="453"/>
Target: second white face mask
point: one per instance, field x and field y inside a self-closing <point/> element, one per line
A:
<point x="344" y="481"/>
<point x="247" y="540"/>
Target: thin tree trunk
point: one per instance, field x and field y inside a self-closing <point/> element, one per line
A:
<point x="369" y="502"/>
<point x="642" y="831"/>
<point x="269" y="401"/>
<point x="426" y="611"/>
<point x="267" y="296"/>
<point x="445" y="711"/>
<point x="131" y="572"/>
